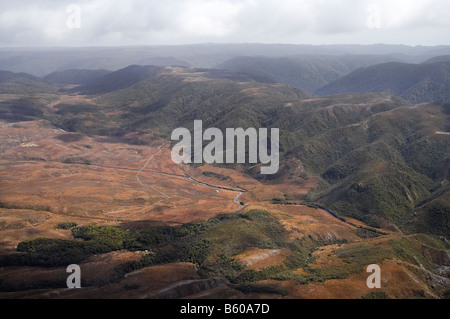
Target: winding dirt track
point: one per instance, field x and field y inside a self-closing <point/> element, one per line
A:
<point x="239" y="192"/>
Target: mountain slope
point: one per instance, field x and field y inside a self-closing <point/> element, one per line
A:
<point x="120" y="79"/>
<point x="174" y="98"/>
<point x="75" y="76"/>
<point x="7" y="76"/>
<point x="441" y="58"/>
<point x="305" y="72"/>
<point x="22" y="83"/>
<point x="417" y="83"/>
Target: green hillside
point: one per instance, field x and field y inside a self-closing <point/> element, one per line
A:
<point x="7" y="76"/>
<point x="23" y="83"/>
<point x="75" y="76"/>
<point x="307" y="72"/>
<point x="417" y="83"/>
<point x="207" y="244"/>
<point x="120" y="79"/>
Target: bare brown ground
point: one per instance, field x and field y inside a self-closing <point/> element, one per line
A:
<point x="396" y="281"/>
<point x="178" y="280"/>
<point x="124" y="183"/>
<point x="257" y="259"/>
<point x="96" y="271"/>
<point x="301" y="221"/>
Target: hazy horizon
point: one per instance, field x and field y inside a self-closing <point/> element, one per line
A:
<point x="62" y="47"/>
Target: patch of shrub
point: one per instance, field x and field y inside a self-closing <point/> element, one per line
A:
<point x="76" y="160"/>
<point x="66" y="225"/>
<point x="46" y="252"/>
<point x="363" y="255"/>
<point x="216" y="175"/>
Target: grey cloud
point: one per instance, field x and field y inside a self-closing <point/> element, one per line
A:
<point x="118" y="22"/>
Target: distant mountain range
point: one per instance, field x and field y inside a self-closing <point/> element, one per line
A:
<point x="42" y="61"/>
<point x="306" y="71"/>
<point x="324" y="75"/>
<point x="321" y="75"/>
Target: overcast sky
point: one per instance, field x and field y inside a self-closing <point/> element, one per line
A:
<point x="155" y="22"/>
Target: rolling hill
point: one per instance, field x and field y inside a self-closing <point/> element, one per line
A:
<point x="417" y="83"/>
<point x="120" y="79"/>
<point x="441" y="58"/>
<point x="308" y="72"/>
<point x="7" y="76"/>
<point x="75" y="76"/>
<point x="23" y="83"/>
